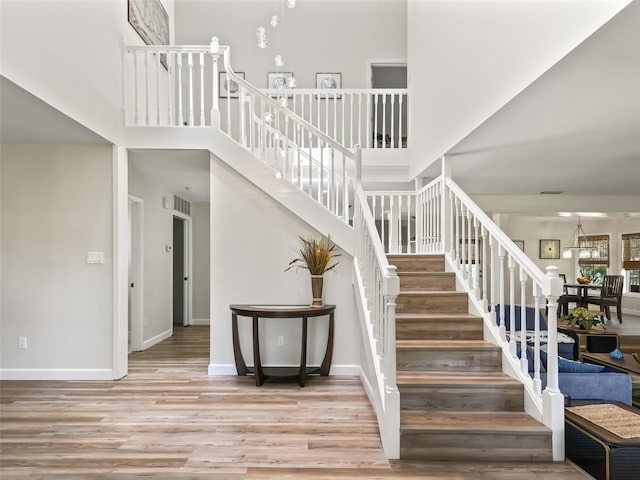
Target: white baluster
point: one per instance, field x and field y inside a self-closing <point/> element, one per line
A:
<point x="375" y="122"/>
<point x="384" y="121"/>
<point x="394" y="140"/>
<point x="201" y="60"/>
<point x="501" y="273"/>
<point x="158" y="88"/>
<point x="400" y="104"/>
<point x="512" y="307"/>
<point x="537" y="382"/>
<point x="485" y="270"/>
<point x="179" y="93"/>
<point x="190" y="60"/>
<point x="146" y="88"/>
<point x="135" y="88"/>
<point x="524" y="363"/>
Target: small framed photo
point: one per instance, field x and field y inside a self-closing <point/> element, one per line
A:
<point x="519" y="244"/>
<point x="549" y="249"/>
<point x="229" y="88"/>
<point x="278" y="80"/>
<point x="328" y="81"/>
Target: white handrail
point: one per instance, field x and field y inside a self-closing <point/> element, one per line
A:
<point x="373" y="118"/>
<point x="499" y="277"/>
<point x="377" y="286"/>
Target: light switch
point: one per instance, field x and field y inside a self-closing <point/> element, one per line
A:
<point x="95" y="257"/>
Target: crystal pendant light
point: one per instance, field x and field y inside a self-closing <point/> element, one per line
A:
<point x="279" y="60"/>
<point x="275" y="20"/>
<point x="261" y="33"/>
<point x="268" y="117"/>
<point x="292" y="82"/>
<point x="283" y="101"/>
<point x="291" y="3"/>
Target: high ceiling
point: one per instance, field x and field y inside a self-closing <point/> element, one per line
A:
<point x="576" y="129"/>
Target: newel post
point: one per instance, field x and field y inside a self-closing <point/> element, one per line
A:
<point x="552" y="398"/>
<point x="391" y="401"/>
<point x="445" y="210"/>
<point x="214" y="49"/>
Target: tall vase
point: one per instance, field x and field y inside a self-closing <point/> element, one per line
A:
<point x="316" y="290"/>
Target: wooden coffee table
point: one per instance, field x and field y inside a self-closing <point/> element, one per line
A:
<point x="627" y="365"/>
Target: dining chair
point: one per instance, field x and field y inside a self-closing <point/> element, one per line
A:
<point x="566" y="298"/>
<point x="610" y="296"/>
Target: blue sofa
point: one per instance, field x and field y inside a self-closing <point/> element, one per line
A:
<point x="565" y="343"/>
<point x="605" y="385"/>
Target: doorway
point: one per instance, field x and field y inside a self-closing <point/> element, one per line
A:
<point x="135" y="274"/>
<point x="392" y="122"/>
<point x="181" y="270"/>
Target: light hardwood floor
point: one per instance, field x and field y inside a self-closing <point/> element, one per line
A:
<point x="169" y="420"/>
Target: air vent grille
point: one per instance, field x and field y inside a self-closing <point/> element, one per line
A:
<point x="181" y="205"/>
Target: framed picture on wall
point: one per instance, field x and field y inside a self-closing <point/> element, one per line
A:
<point x="328" y="82"/>
<point x="278" y="81"/>
<point x="519" y="244"/>
<point x="549" y="249"/>
<point x="151" y="21"/>
<point x="228" y="87"/>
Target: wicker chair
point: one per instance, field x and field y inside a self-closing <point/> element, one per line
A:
<point x="610" y="296"/>
<point x="566" y="298"/>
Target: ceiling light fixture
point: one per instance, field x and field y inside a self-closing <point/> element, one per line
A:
<point x="583" y="251"/>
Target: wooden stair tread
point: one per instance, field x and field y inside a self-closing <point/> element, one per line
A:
<point x="417" y="273"/>
<point x="432" y="293"/>
<point x="437" y="316"/>
<point x="470" y="422"/>
<point x="470" y="379"/>
<point x="447" y="344"/>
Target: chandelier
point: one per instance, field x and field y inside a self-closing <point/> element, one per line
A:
<point x="584" y="250"/>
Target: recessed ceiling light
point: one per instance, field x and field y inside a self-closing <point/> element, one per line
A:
<point x="564" y="214"/>
<point x="189" y="189"/>
<point x="551" y="192"/>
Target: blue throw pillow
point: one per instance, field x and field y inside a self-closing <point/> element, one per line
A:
<point x="571" y="366"/>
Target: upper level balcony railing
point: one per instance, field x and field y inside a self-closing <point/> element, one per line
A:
<point x="175" y="85"/>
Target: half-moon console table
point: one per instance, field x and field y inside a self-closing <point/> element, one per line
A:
<point x="280" y="311"/>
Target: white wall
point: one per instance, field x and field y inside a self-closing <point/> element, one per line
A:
<point x="69" y="54"/>
<point x="252" y="241"/>
<point x="316" y="36"/>
<point x="201" y="261"/>
<point x="56" y="205"/>
<point x="467" y="59"/>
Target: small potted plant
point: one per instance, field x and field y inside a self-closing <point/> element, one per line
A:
<point x="316" y="255"/>
<point x="583" y="319"/>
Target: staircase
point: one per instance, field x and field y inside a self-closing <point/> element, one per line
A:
<point x="456" y="404"/>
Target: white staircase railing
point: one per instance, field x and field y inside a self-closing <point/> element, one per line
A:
<point x="500" y="278"/>
<point x="179" y="86"/>
<point x="371" y="118"/>
<point x="377" y="286"/>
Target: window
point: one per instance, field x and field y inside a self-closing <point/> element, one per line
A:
<point x="593" y="258"/>
<point x="631" y="260"/>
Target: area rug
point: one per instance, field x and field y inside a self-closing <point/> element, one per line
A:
<point x="618" y="421"/>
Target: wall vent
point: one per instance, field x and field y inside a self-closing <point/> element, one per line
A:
<point x="181" y="205"/>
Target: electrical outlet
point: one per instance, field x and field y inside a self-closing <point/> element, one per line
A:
<point x="280" y="340"/>
<point x="22" y="343"/>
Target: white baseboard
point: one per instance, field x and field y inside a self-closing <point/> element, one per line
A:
<point x="200" y="321"/>
<point x="56" y="374"/>
<point x="157" y="339"/>
<point x="337" y="370"/>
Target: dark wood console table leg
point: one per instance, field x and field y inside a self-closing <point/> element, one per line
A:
<point x="241" y="366"/>
<point x="257" y="368"/>
<point x="302" y="372"/>
<point x="326" y="363"/>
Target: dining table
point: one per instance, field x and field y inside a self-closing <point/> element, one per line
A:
<point x="582" y="290"/>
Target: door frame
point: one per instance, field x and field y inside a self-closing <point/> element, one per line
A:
<point x="188" y="268"/>
<point x="136" y="271"/>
